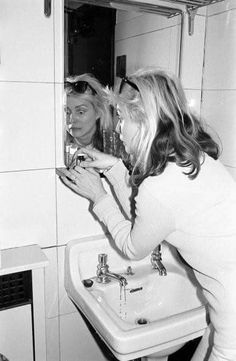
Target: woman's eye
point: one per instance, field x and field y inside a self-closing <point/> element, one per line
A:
<point x="68" y="112"/>
<point x="80" y="112"/>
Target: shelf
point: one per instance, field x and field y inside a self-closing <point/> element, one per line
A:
<point x="22" y="259"/>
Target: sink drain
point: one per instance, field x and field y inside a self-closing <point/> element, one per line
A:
<point x="141" y="321"/>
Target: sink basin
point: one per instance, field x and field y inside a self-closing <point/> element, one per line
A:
<point x="152" y="314"/>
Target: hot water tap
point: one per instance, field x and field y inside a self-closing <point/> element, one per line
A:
<point x="156" y="261"/>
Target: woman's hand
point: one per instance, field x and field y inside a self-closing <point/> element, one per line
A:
<point x="96" y="159"/>
<point x="85" y="182"/>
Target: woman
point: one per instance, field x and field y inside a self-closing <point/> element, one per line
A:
<point x="184" y="196"/>
<point x="87" y="114"/>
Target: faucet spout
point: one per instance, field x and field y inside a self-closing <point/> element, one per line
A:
<point x="119" y="278"/>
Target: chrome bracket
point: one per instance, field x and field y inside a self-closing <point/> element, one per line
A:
<point x="47" y="8"/>
<point x="191" y="16"/>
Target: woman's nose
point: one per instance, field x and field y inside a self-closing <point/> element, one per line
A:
<point x="74" y="118"/>
<point x="71" y="118"/>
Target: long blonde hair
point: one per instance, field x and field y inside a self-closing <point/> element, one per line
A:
<point x="168" y="130"/>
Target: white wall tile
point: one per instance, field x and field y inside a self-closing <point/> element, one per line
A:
<point x="74" y="217"/>
<point x="192" y="54"/>
<point x="76" y="341"/>
<point x="26" y="38"/>
<point x="202" y="11"/>
<point x="148" y="39"/>
<point x="52" y="339"/>
<point x="194" y="99"/>
<point x="149" y="49"/>
<point x="220" y="53"/>
<point x="143" y="24"/>
<point x="28" y="208"/>
<point x="174" y="50"/>
<point x="65" y="304"/>
<point x="51" y="283"/>
<point x="221" y="7"/>
<point x="26" y="126"/>
<point x="218" y="110"/>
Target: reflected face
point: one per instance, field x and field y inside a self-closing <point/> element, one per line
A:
<point x="81" y="117"/>
<point x="128" y="130"/>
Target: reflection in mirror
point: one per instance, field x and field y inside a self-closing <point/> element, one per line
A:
<point x="87" y="115"/>
<point x="89" y="40"/>
<point x="89" y="67"/>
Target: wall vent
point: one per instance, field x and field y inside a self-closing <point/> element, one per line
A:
<point x="15" y="289"/>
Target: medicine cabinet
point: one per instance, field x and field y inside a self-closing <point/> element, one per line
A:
<point x="81" y="19"/>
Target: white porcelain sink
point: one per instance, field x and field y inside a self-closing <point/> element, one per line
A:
<point x="153" y="314"/>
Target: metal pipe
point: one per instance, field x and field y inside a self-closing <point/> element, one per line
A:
<point x="181" y="45"/>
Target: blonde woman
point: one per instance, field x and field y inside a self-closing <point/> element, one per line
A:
<point x="185" y="196"/>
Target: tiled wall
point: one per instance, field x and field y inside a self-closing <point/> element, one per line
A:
<point x="155" y="40"/>
<point x="219" y="78"/>
<point x="35" y="206"/>
<point x="147" y="39"/>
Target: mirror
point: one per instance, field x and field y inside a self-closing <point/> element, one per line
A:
<point x="89" y="49"/>
<point x="92" y="46"/>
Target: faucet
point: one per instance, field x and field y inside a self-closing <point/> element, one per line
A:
<point x="103" y="273"/>
<point x="156" y="261"/>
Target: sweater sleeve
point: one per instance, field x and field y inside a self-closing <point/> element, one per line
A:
<point x="118" y="177"/>
<point x="152" y="224"/>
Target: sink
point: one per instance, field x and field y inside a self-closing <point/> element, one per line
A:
<point x="152" y="315"/>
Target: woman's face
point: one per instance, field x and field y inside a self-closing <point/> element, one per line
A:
<point x="128" y="130"/>
<point x="83" y="118"/>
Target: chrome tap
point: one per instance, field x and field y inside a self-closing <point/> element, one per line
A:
<point x="156" y="261"/>
<point x="103" y="274"/>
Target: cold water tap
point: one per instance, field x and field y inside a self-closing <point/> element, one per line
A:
<point x="103" y="273"/>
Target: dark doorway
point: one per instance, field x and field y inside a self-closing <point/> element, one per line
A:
<point x="90" y="41"/>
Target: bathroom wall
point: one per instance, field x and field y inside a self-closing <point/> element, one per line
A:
<point x="35" y="206"/>
<point x="219" y="78"/>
